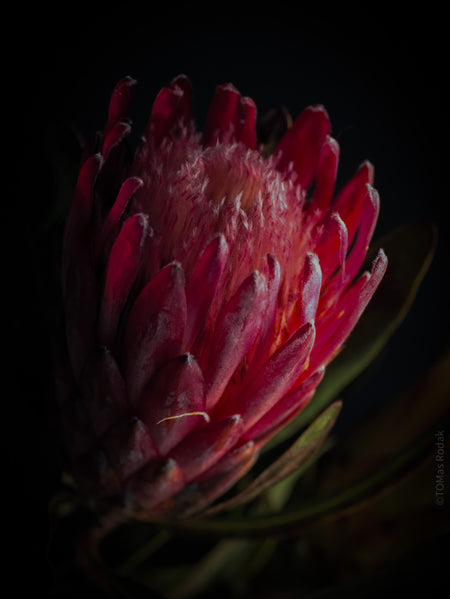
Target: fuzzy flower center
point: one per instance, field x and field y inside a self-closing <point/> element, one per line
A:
<point x="232" y="178"/>
<point x="196" y="193"/>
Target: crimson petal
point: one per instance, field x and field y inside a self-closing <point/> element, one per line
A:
<point x="202" y="286"/>
<point x="224" y="115"/>
<point x="291" y="403"/>
<point x="332" y="246"/>
<point x="351" y="305"/>
<point x="111" y="223"/>
<point x="173" y="404"/>
<point x="155" y="327"/>
<point x="367" y="220"/>
<point x="203" y="448"/>
<point x="326" y="175"/>
<point x="348" y="202"/>
<point x="114" y="137"/>
<point x="274" y="379"/>
<point x="237" y="328"/>
<point x="269" y="322"/>
<point x="302" y="144"/>
<point x="172" y="107"/>
<point x="120" y="102"/>
<point x="121" y="270"/>
<point x="310" y="288"/>
<point x="247" y="130"/>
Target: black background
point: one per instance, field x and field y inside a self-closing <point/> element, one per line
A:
<point x="380" y="73"/>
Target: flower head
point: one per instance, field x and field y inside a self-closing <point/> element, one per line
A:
<point x="206" y="287"/>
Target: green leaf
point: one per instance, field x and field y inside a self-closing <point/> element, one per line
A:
<point x="409" y="516"/>
<point x="241" y="556"/>
<point x="294" y="458"/>
<point x="401" y="420"/>
<point x="410" y="249"/>
<point x="342" y="503"/>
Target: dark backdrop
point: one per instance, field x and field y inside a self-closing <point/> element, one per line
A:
<point x="381" y="75"/>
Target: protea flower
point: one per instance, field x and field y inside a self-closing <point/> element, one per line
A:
<point x="206" y="287"/>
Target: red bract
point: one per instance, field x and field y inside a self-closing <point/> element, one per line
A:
<point x="206" y="288"/>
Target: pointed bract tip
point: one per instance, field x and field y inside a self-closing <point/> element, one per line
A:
<point x="235" y="419"/>
<point x="273" y="262"/>
<point x="318" y="108"/>
<point x="333" y="144"/>
<point x="312" y="258"/>
<point x="373" y="194"/>
<point x="380" y="259"/>
<point x="310" y="326"/>
<point x="228" y="87"/>
<point x="370" y="168"/>
<point x="186" y="358"/>
<point x="182" y="79"/>
<point x="176" y="270"/>
<point x="97" y="158"/>
<point x="128" y="80"/>
<point x="221" y="242"/>
<point x="246" y="100"/>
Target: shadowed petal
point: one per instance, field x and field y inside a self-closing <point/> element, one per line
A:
<point x="203" y="448"/>
<point x="155" y="327"/>
<point x="120" y="102"/>
<point x="129" y="447"/>
<point x="104" y="387"/>
<point x="171" y="108"/>
<point x="302" y="144"/>
<point x="291" y="403"/>
<point x="114" y="137"/>
<point x="154" y="484"/>
<point x="224" y="115"/>
<point x="173" y="404"/>
<point x="121" y="271"/>
<point x="80" y="214"/>
<point x="96" y="476"/>
<point x="247" y="129"/>
<point x="112" y="221"/>
<point x="219" y="478"/>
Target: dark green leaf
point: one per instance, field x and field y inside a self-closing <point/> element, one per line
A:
<point x="294" y="458"/>
<point x="342" y="503"/>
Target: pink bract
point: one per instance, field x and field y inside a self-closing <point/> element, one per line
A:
<point x="206" y="288"/>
